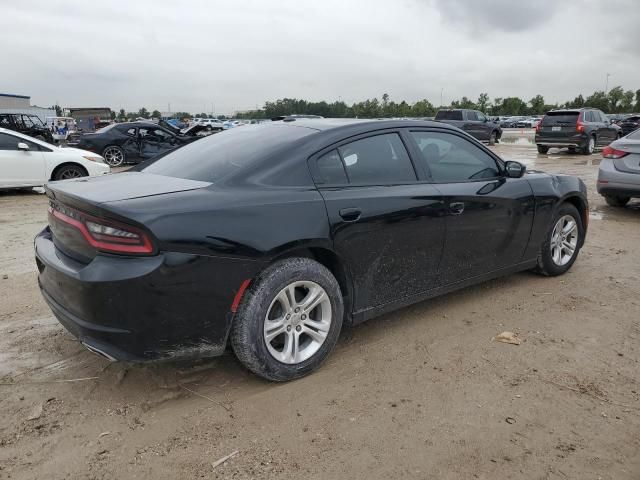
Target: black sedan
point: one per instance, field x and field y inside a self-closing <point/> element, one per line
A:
<point x="272" y="237"/>
<point x="130" y="142"/>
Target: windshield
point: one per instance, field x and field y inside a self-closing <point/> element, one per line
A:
<point x="219" y="155"/>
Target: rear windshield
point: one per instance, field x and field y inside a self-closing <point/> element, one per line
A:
<point x="449" y="115"/>
<point x="635" y="135"/>
<point x="221" y="154"/>
<point x="560" y="118"/>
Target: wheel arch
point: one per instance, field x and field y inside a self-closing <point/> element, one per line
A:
<point x="65" y="164"/>
<point x="332" y="261"/>
<point x="582" y="207"/>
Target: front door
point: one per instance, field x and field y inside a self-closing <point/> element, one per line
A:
<point x="20" y="167"/>
<point x="488" y="216"/>
<point x="388" y="225"/>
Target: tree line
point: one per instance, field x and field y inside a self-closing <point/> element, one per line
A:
<point x="616" y="100"/>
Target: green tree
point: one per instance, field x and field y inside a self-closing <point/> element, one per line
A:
<point x="537" y="105"/>
<point x="122" y="115"/>
<point x="598" y="100"/>
<point x="483" y="102"/>
<point x="143" y="112"/>
<point x="615" y="97"/>
<point x="156" y="114"/>
<point x="57" y="108"/>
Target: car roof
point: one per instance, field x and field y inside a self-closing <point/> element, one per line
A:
<point x="324" y="124"/>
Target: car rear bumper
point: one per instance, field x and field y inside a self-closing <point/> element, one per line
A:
<point x="144" y="308"/>
<point x="578" y="140"/>
<point x="614" y="182"/>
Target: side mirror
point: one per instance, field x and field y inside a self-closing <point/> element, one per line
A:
<point x="514" y="169"/>
<point x="23" y="146"/>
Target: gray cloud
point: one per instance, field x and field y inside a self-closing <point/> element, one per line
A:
<point x="236" y="55"/>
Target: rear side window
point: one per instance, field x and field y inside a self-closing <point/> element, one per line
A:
<point x="217" y="156"/>
<point x="377" y="160"/>
<point x="560" y="118"/>
<point x="452" y="159"/>
<point x="331" y="169"/>
<point x="449" y="115"/>
<point x="635" y="135"/>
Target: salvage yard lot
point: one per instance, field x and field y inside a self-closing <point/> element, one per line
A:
<point x="420" y="393"/>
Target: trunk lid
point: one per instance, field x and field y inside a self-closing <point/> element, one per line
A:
<point x="73" y="203"/>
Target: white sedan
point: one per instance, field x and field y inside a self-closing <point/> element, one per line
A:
<point x="27" y="162"/>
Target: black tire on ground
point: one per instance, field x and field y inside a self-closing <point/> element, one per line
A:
<point x="542" y="148"/>
<point x="546" y="265"/>
<point x="616" y="201"/>
<point x="572" y="149"/>
<point x="70" y="171"/>
<point x="113" y="155"/>
<point x="247" y="332"/>
<point x="590" y="146"/>
<point x="493" y="138"/>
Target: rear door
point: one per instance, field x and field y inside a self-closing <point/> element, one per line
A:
<point x="607" y="132"/>
<point x="154" y="141"/>
<point x="386" y="223"/>
<point x="20" y="167"/>
<point x="488" y="216"/>
<point x="472" y="125"/>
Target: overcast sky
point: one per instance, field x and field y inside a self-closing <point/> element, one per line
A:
<point x="238" y="54"/>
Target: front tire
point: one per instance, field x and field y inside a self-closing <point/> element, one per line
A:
<point x="615" y="201"/>
<point x="543" y="149"/>
<point x="563" y="242"/>
<point x="113" y="155"/>
<point x="70" y="171"/>
<point x="493" y="138"/>
<point x="288" y="320"/>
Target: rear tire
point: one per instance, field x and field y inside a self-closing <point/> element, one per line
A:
<point x="616" y="201"/>
<point x="70" y="171"/>
<point x="572" y="150"/>
<point x="542" y="149"/>
<point x="272" y="311"/>
<point x="562" y="243"/>
<point x="590" y="146"/>
<point x="113" y="155"/>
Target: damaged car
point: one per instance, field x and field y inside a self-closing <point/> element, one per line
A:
<point x="271" y="238"/>
<point x="130" y="142"/>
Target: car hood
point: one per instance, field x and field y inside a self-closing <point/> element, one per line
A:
<point x="122" y="186"/>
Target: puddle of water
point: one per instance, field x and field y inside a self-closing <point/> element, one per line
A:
<point x="595" y="215"/>
<point x="517" y="140"/>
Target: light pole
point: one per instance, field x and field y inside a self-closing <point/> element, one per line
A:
<point x="441" y="92"/>
<point x="606" y="84"/>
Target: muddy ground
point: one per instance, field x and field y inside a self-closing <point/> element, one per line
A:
<point x="420" y="393"/>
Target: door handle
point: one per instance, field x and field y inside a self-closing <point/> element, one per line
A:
<point x="350" y="214"/>
<point x="456" y="208"/>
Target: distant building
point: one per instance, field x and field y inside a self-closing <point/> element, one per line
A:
<point x="10" y="103"/>
<point x="8" y="100"/>
<point x="88" y="119"/>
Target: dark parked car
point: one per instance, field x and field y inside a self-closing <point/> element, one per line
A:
<point x="130" y="142"/>
<point x="630" y="124"/>
<point x="271" y="237"/>
<point x="473" y="122"/>
<point x="581" y="129"/>
<point x="26" y="124"/>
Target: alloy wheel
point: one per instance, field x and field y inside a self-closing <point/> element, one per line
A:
<point x="71" y="173"/>
<point x="297" y="322"/>
<point x="564" y="240"/>
<point x="113" y="156"/>
<point x="592" y="145"/>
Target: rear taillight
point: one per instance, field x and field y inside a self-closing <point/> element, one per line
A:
<point x="610" y="152"/>
<point x="104" y="235"/>
<point x="539" y="125"/>
<point x="579" y="124"/>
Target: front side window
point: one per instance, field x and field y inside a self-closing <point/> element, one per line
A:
<point x="472" y="116"/>
<point x="377" y="160"/>
<point x="27" y="121"/>
<point x="452" y="159"/>
<point x="9" y="142"/>
<point x="481" y="116"/>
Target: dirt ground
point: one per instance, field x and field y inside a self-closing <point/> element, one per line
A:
<point x="421" y="393"/>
